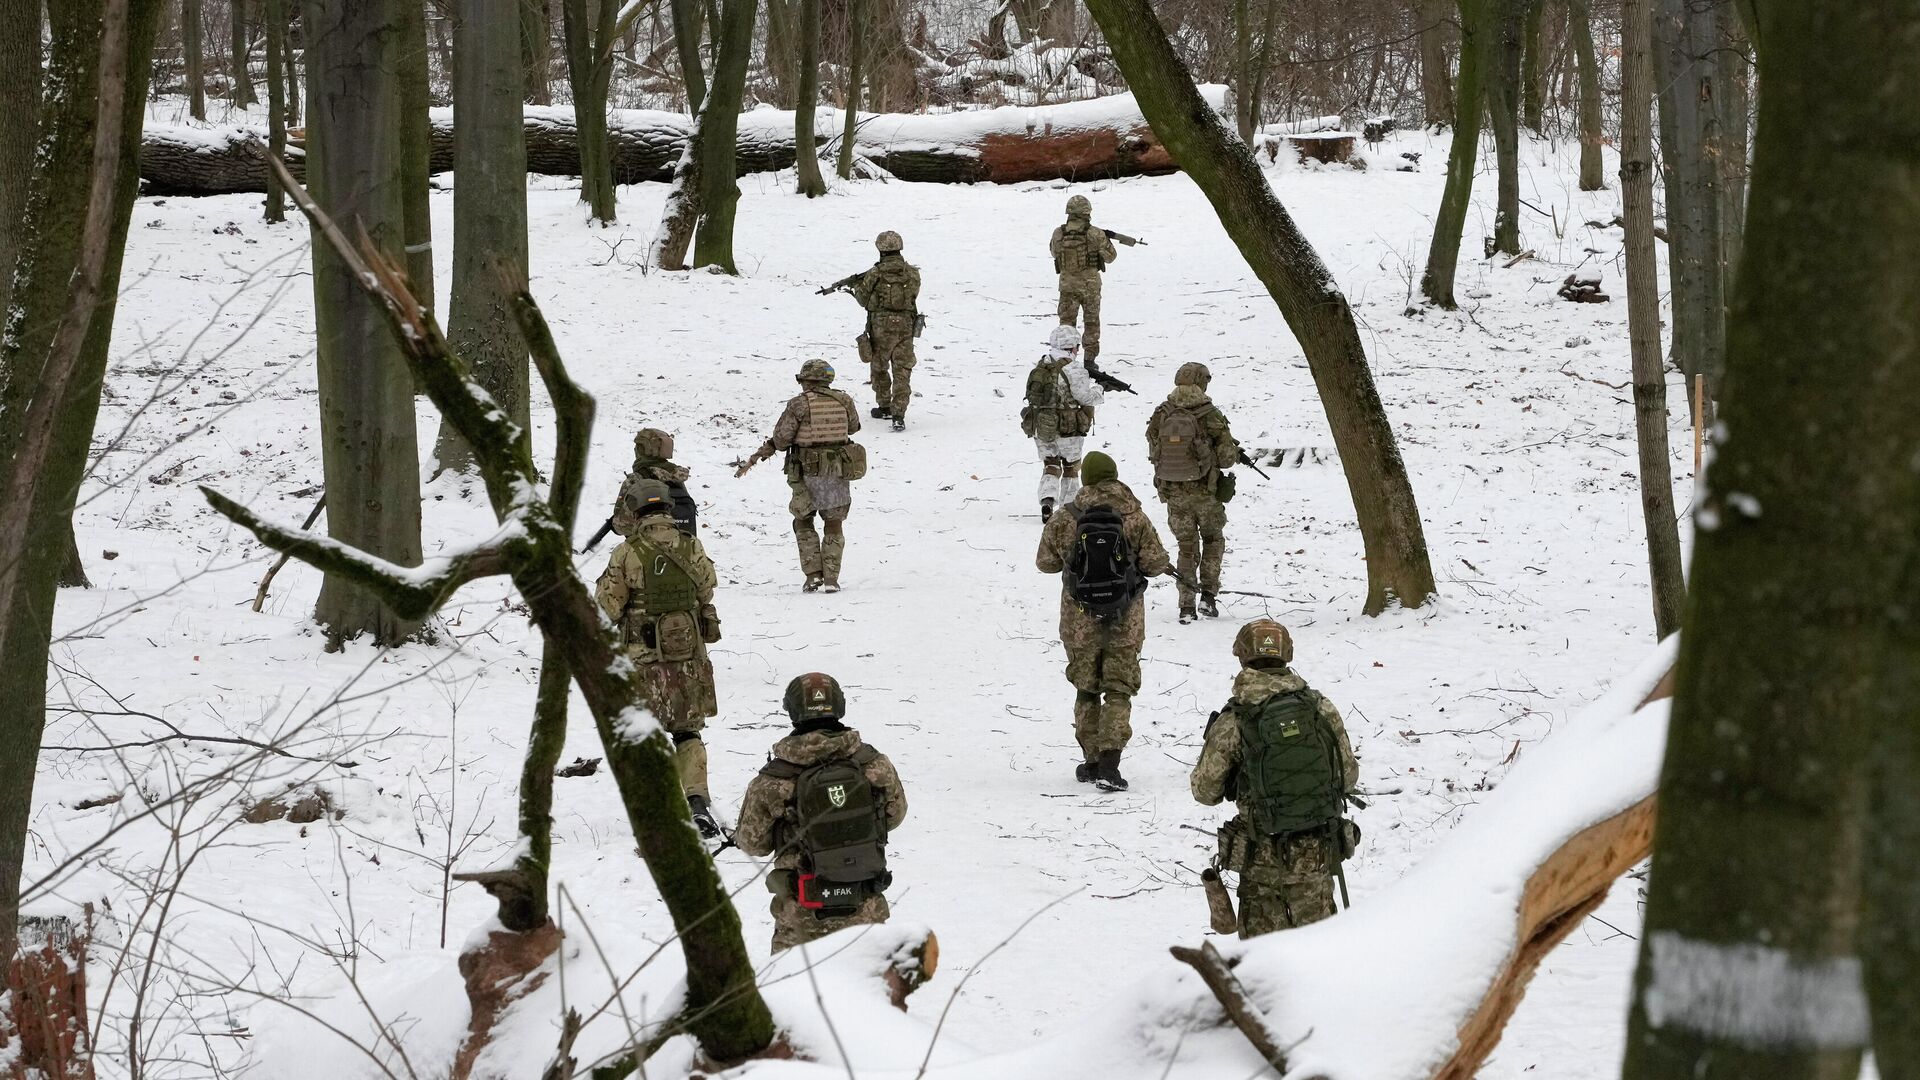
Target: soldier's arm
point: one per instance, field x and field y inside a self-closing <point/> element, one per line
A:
<point x="1080" y="383"/>
<point x="881" y="774"/>
<point x="1219" y="757"/>
<point x="863" y="288"/>
<point x="1152" y="555"/>
<point x="1350" y="767"/>
<point x="1153" y="435"/>
<point x="914" y="293"/>
<point x="853" y="413"/>
<point x="611" y="590"/>
<point x="787" y="428"/>
<point x="759" y="811"/>
<point x="1226" y="450"/>
<point x="1053" y="245"/>
<point x="1053" y="543"/>
<point x="1107" y="251"/>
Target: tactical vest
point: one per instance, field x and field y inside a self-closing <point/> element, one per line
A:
<point x="1051" y="405"/>
<point x="1292" y="778"/>
<point x="893" y="291"/>
<point x="825" y="422"/>
<point x="838" y="826"/>
<point x="1078" y="248"/>
<point x="665" y="584"/>
<point x="1183" y="451"/>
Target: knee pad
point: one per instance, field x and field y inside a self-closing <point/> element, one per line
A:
<point x="682" y="737"/>
<point x="1072" y="468"/>
<point x="834" y="527"/>
<point x="1055" y="466"/>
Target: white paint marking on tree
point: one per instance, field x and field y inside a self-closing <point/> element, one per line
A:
<point x="1756" y="994"/>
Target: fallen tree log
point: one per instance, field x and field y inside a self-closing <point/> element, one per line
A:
<point x="1084" y="140"/>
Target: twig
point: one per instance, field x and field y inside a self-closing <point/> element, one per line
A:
<point x="1218" y="975"/>
<point x="260" y="594"/>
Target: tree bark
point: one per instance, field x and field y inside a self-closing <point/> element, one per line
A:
<point x="1593" y="134"/>
<point x="805" y="139"/>
<point x="192" y="44"/>
<point x="718" y="128"/>
<point x="536" y="51"/>
<point x="1785" y="797"/>
<point x="1244" y="117"/>
<point x="489" y="216"/>
<point x="589" y="29"/>
<point x="355" y="163"/>
<point x="687" y="18"/>
<point x="1443" y="256"/>
<point x="782" y="54"/>
<point x="1286" y="263"/>
<point x="59" y="279"/>
<point x="242" y="76"/>
<point x="416" y="149"/>
<point x="1643" y="320"/>
<point x="19" y="127"/>
<point x="521" y="889"/>
<point x="1436" y="89"/>
<point x="1533" y="68"/>
<point x="1684" y="40"/>
<point x="73" y="570"/>
<point x="850" y="105"/>
<point x="273" y="19"/>
<point x="1503" y="110"/>
<point x="291" y="68"/>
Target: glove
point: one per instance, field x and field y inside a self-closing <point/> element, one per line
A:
<point x="709" y="627"/>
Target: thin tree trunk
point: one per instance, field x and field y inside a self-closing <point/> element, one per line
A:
<point x="719" y="126"/>
<point x="521" y="890"/>
<point x="1729" y="152"/>
<point x="273" y="19"/>
<point x="19" y="126"/>
<point x="242" y="77"/>
<point x="73" y="571"/>
<point x="1503" y="110"/>
<point x="536" y="50"/>
<point x="356" y="165"/>
<point x="1436" y="91"/>
<point x="856" y="11"/>
<point x="61" y="276"/>
<point x="1592" y="134"/>
<point x="417" y="149"/>
<point x="489" y="216"/>
<point x="806" y="142"/>
<point x="291" y="68"/>
<point x="1783" y="867"/>
<point x="589" y="27"/>
<point x="1243" y="118"/>
<point x="1223" y="167"/>
<point x="687" y="18"/>
<point x="1684" y="39"/>
<point x="1443" y="257"/>
<point x="1643" y="322"/>
<point x="192" y="43"/>
<point x="1533" y="68"/>
<point x="783" y="54"/>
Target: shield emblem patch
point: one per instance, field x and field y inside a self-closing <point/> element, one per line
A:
<point x="837" y="795"/>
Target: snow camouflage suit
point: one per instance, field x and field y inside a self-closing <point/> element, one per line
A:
<point x="680" y="692"/>
<point x="1103" y="656"/>
<point x="812" y="433"/>
<point x="1283" y="883"/>
<point x="644" y="468"/>
<point x="890" y="293"/>
<point x="1195" y="515"/>
<point x="766" y="815"/>
<point x="1060" y="400"/>
<point x="1079" y="240"/>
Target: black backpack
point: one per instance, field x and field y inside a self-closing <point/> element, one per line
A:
<point x="1292" y="779"/>
<point x="1102" y="576"/>
<point x="840" y="827"/>
<point x="686" y="512"/>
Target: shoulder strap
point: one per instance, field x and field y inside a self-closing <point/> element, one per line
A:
<point x="864" y="756"/>
<point x="782" y="769"/>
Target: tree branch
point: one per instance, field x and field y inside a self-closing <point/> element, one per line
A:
<point x="573" y="409"/>
<point x="1218" y="975"/>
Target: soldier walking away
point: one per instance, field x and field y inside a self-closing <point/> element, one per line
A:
<point x="815" y="431"/>
<point x="652" y="460"/>
<point x="890" y="293"/>
<point x="1192" y="449"/>
<point x="658" y="590"/>
<point x="1081" y="252"/>
<point x="1058" y="416"/>
<point x="1280" y="751"/>
<point x="822" y="807"/>
<point x="1105" y="551"/>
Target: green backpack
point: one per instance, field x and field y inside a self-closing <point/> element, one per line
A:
<point x="839" y="830"/>
<point x="1291" y="776"/>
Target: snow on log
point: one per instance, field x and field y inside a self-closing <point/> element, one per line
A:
<point x="1082" y="140"/>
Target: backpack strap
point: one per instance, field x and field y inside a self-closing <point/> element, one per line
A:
<point x="864" y="756"/>
<point x="781" y="769"/>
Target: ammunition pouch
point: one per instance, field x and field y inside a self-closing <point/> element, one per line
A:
<point x="1029" y="421"/>
<point x="1224" y="487"/>
<point x="676" y="635"/>
<point x="1346" y="836"/>
<point x="891" y="325"/>
<point x="831" y="899"/>
<point x="865" y="344"/>
<point x="1236" y="844"/>
<point x="847" y="461"/>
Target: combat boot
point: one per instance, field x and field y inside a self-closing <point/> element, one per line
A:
<point x="880" y="412"/>
<point x="814" y="582"/>
<point x="831" y="585"/>
<point x="1046" y="510"/>
<point x="1209" y="606"/>
<point x="1186" y="615"/>
<point x="1084" y="772"/>
<point x="1106" y="774"/>
<point x="899" y="423"/>
<point x="703" y="816"/>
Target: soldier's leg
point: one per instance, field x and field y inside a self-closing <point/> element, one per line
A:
<point x="834" y="547"/>
<point x="1070" y="449"/>
<point x="1213" y="544"/>
<point x="690" y="760"/>
<point x="1090" y="305"/>
<point x="1116" y="721"/>
<point x="804" y="535"/>
<point x="877" y="374"/>
<point x="1086" y="723"/>
<point x="1263" y="896"/>
<point x="1052" y="468"/>
<point x="792" y="924"/>
<point x="1185" y="527"/>
<point x="1069" y="303"/>
<point x="902" y="360"/>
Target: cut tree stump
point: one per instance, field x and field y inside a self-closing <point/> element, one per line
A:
<point x="1325" y="147"/>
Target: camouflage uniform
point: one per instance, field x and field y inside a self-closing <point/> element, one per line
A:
<point x="1103" y="655"/>
<point x="680" y="692"/>
<point x="652" y="454"/>
<point x="814" y="432"/>
<point x="1061" y="396"/>
<point x="1081" y="250"/>
<point x="1283" y="882"/>
<point x="766" y="815"/>
<point x="1195" y="515"/>
<point x="890" y="293"/>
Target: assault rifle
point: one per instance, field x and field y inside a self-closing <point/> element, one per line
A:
<point x="605" y="528"/>
<point x="847" y="282"/>
<point x="1248" y="462"/>
<point x="741" y="467"/>
<point x="1123" y="239"/>
<point x="1106" y="381"/>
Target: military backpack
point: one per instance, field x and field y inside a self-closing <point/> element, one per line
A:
<point x="686" y="512"/>
<point x="1292" y="778"/>
<point x="1101" y="573"/>
<point x="1183" y="451"/>
<point x="839" y="829"/>
<point x="1078" y="250"/>
<point x="1051" y="411"/>
<point x="667" y="590"/>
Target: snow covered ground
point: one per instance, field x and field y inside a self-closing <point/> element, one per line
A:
<point x="1513" y="415"/>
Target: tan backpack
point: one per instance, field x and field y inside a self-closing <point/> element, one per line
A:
<point x="1183" y="452"/>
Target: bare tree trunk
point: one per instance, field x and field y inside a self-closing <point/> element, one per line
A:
<point x="1593" y="135"/>
<point x="856" y="19"/>
<point x="805" y="140"/>
<point x="1436" y="90"/>
<point x="719" y="126"/>
<point x="1398" y="570"/>
<point x="1503" y="110"/>
<point x="1643" y="322"/>
<point x="273" y="20"/>
<point x="589" y="30"/>
<point x="192" y="43"/>
<point x="521" y="889"/>
<point x="1734" y="58"/>
<point x="536" y="50"/>
<point x="1684" y="39"/>
<point x="73" y="571"/>
<point x="1781" y="917"/>
<point x="687" y="18"/>
<point x="66" y="280"/>
<point x="1533" y="68"/>
<point x="355" y="162"/>
<point x="19" y="127"/>
<point x="1243" y="114"/>
<point x="1443" y="257"/>
<point x="416" y="149"/>
<point x="783" y="54"/>
<point x="489" y="216"/>
<point x="291" y="68"/>
<point x="242" y="88"/>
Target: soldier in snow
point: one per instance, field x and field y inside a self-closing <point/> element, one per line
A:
<point x="1081" y="252"/>
<point x="890" y="293"/>
<point x="658" y="590"/>
<point x="1105" y="550"/>
<point x="1058" y="416"/>
<point x="1280" y="751"/>
<point x="815" y="431"/>
<point x="653" y="460"/>
<point x="822" y="806"/>
<point x="1192" y="448"/>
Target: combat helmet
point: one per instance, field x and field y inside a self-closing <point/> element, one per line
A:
<point x="815" y="371"/>
<point x="1079" y="206"/>
<point x="1192" y="373"/>
<point x="814" y="696"/>
<point x="1263" y="640"/>
<point x="888" y="242"/>
<point x="1063" y="340"/>
<point x="653" y="443"/>
<point x="649" y="497"/>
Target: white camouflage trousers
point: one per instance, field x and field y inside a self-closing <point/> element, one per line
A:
<point x="1060" y="464"/>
